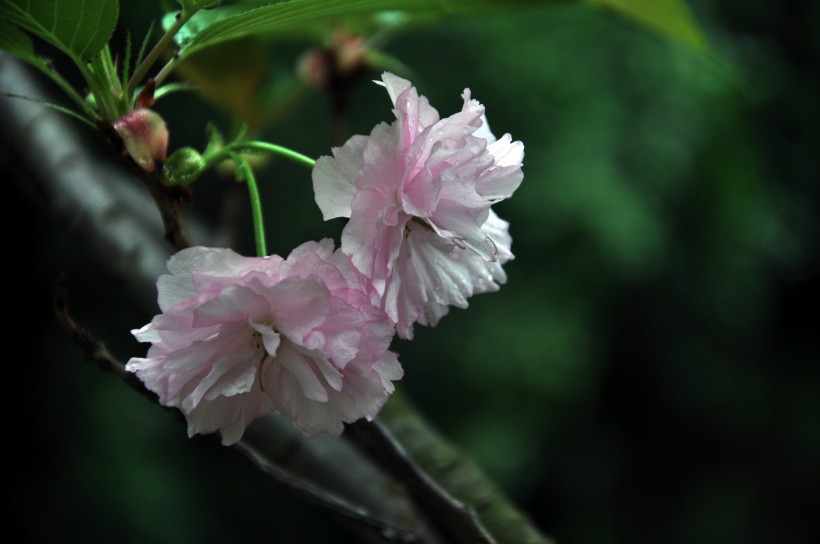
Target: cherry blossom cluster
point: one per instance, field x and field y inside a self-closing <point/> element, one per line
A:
<point x="308" y="336"/>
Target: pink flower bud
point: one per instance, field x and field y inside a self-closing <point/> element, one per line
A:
<point x="351" y="51"/>
<point x="345" y="56"/>
<point x="314" y="67"/>
<point x="145" y="136"/>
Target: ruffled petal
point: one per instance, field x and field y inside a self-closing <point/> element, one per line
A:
<point x="234" y="303"/>
<point x="192" y="267"/>
<point x="431" y="275"/>
<point x="334" y="178"/>
<point x="299" y="306"/>
<point x="371" y="243"/>
<point x="243" y="337"/>
<point x="301" y="367"/>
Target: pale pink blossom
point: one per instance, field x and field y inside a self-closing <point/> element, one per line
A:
<point x="240" y="337"/>
<point x="418" y="194"/>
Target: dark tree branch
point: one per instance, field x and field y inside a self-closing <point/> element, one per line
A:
<point x="96" y="353"/>
<point x="456" y="474"/>
<point x="168" y="201"/>
<point x="459" y="520"/>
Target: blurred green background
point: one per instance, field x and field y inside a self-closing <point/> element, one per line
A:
<point x="651" y="371"/>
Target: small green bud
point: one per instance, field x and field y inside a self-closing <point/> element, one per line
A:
<point x="182" y="167"/>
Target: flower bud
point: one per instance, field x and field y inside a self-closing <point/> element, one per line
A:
<point x="351" y="52"/>
<point x="182" y="167"/>
<point x="314" y="67"/>
<point x="145" y="137"/>
<point x="344" y="57"/>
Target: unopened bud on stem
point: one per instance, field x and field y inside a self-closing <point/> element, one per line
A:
<point x="145" y="136"/>
<point x="182" y="167"/>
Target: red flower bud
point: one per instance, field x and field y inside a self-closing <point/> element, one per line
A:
<point x="145" y="136"/>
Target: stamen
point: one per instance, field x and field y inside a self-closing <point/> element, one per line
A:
<point x="261" y="363"/>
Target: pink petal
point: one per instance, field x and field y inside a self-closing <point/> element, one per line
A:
<point x="371" y="243"/>
<point x="431" y="275"/>
<point x="299" y="306"/>
<point x="234" y="303"/>
<point x="415" y="111"/>
<point x="270" y="338"/>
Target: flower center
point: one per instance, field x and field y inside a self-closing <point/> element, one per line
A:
<point x="416" y="222"/>
<point x="266" y="340"/>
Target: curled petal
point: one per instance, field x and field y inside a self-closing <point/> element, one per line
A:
<point x="334" y="180"/>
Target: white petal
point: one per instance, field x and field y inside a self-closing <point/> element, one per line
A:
<point x="270" y="338"/>
<point x="395" y="85"/>
<point x="430" y="275"/>
<point x="300" y="367"/>
<point x="484" y="131"/>
<point x="146" y="334"/>
<point x="334" y="178"/>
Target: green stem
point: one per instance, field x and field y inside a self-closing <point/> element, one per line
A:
<point x="107" y="92"/>
<point x="264" y="147"/>
<point x="163" y="73"/>
<point x="255" y="147"/>
<point x="158" y="49"/>
<point x="66" y="87"/>
<point x="105" y="109"/>
<point x="245" y="173"/>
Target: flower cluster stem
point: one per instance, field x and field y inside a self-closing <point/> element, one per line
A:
<point x="245" y="173"/>
<point x="264" y="147"/>
<point x="255" y="148"/>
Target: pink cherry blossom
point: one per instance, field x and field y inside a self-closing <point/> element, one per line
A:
<point x="418" y="194"/>
<point x="240" y="337"/>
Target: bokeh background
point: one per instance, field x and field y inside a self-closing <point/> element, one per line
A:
<point x="651" y="371"/>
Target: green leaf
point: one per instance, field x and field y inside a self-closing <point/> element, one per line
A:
<point x="670" y="18"/>
<point x="144" y="45"/>
<point x="196" y="24"/>
<point x="15" y="41"/>
<point x="198" y="4"/>
<point x="19" y="44"/>
<point x="79" y="28"/>
<point x="171" y="88"/>
<point x="55" y="107"/>
<point x="291" y="17"/>
<point x="231" y="74"/>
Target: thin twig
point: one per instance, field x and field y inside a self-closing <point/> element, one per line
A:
<point x="167" y="199"/>
<point x="96" y="353"/>
<point x="166" y="69"/>
<point x="93" y="350"/>
<point x="161" y="46"/>
<point x="325" y="499"/>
